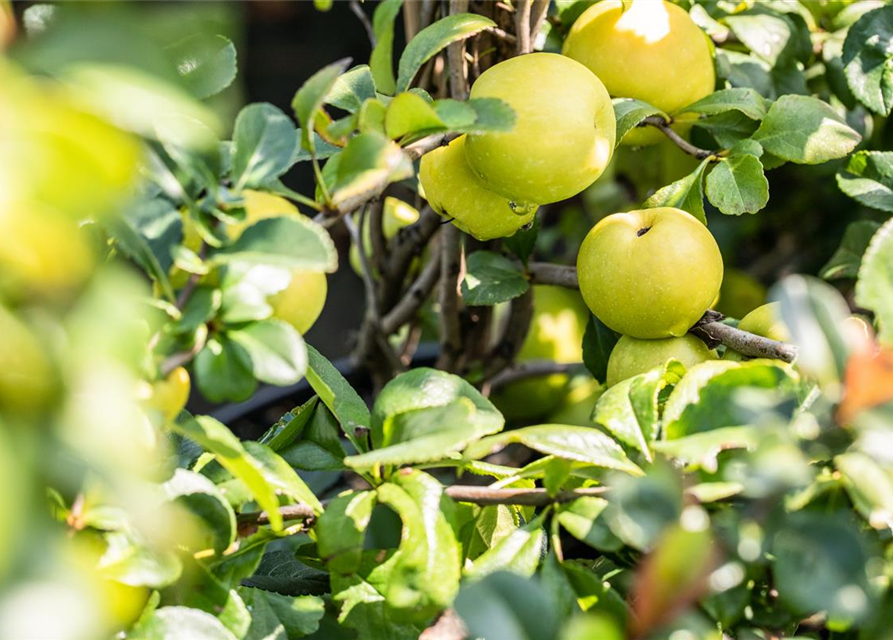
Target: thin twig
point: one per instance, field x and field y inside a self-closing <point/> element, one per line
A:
<point x="520" y="315"/>
<point x="530" y="369"/>
<point x="404" y="248"/>
<point x="535" y="497"/>
<point x="554" y="274"/>
<point x="522" y="26"/>
<point x="366" y="271"/>
<point x="367" y="25"/>
<point x="415" y="296"/>
<point x="538" y="15"/>
<point x="456" y="58"/>
<point x="376" y="234"/>
<point x="450" y="327"/>
<point x="745" y="343"/>
<point x="417" y="149"/>
<point x="659" y="123"/>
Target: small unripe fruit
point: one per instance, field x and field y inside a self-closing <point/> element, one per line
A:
<point x="650" y="273"/>
<point x="169" y="396"/>
<point x="563" y="136"/>
<point x="632" y="356"/>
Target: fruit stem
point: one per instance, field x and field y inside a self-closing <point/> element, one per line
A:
<point x="664" y="125"/>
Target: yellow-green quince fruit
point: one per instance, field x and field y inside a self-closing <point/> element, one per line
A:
<point x="650" y="273"/>
<point x="556" y="334"/>
<point x="302" y="301"/>
<point x="632" y="356"/>
<point x="763" y="321"/>
<point x="456" y="193"/>
<point x="564" y="130"/>
<point x="650" y="50"/>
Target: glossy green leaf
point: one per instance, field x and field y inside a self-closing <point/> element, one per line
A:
<point x="579" y="519"/>
<point x="868" y="178"/>
<point x="207" y="63"/>
<point x="203" y="498"/>
<point x="381" y="62"/>
<point x="278" y="617"/>
<point x="490" y="279"/>
<point x="847" y="259"/>
<point x="282" y="572"/>
<point x="728" y="128"/>
<point x="341" y="530"/>
<point x="425" y="577"/>
<point x="310" y="97"/>
<point x="287" y="241"/>
<point x="408" y="114"/>
<point x="805" y="130"/>
<point x="738" y="185"/>
<point x="352" y="88"/>
<point x="433" y="38"/>
<point x="337" y="394"/>
<point x="277" y="350"/>
<point x="743" y="99"/>
<point x="629" y="113"/>
<point x="598" y="342"/>
<point x="367" y="165"/>
<point x="519" y="552"/>
<point x="290" y="427"/>
<point x="686" y="193"/>
<point x="264" y="144"/>
<point x="180" y="622"/>
<point x="874" y="288"/>
<point x="866" y="59"/>
<point x="223" y="371"/>
<point x="629" y="409"/>
<point x="704" y="399"/>
<point x="579" y="444"/>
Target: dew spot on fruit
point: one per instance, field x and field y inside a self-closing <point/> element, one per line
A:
<point x="522" y="208"/>
<point x="641" y="232"/>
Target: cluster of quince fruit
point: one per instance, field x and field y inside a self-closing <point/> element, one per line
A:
<point x="629" y="265"/>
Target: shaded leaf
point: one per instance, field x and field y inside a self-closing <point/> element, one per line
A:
<point x="490" y="279"/>
<point x="381" y="62"/>
<point x="264" y="145"/>
<point x="629" y="113"/>
<point x="866" y="59"/>
<point x="337" y="394"/>
<point x="310" y="97"/>
<point x="868" y="178"/>
<point x="207" y="63"/>
<point x="847" y="259"/>
<point x="874" y="288"/>
<point x="686" y="193"/>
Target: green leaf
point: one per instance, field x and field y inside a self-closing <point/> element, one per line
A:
<point x="821" y="564"/>
<point x="412" y="427"/>
<point x="290" y="426"/>
<point x="341" y="530"/>
<point x="579" y="519"/>
<point x="264" y="144"/>
<point x="368" y="164"/>
<point x="519" y="552"/>
<point x="705" y="399"/>
<point x="867" y="54"/>
<point x="738" y="185"/>
<point x="277" y="350"/>
<point x="598" y="342"/>
<point x="146" y="233"/>
<point x="629" y="409"/>
<point x="806" y="131"/>
<point x="130" y="560"/>
<point x="491" y="114"/>
<point x="246" y="289"/>
<point x="278" y="617"/>
<point x="580" y="444"/>
<point x="337" y="394"/>
<point x="223" y="371"/>
<point x="401" y="395"/>
<point x="319" y="447"/>
<point x="282" y="572"/>
<point x="167" y="623"/>
<point x="352" y="88"/>
<point x="629" y="113"/>
<point x="425" y="577"/>
<point x="311" y="96"/>
<point x="484" y="530"/>
<point x="523" y="242"/>
<point x="874" y="288"/>
<point x="490" y="279"/>
<point x="209" y="594"/>
<point x="868" y="178"/>
<point x="193" y="147"/>
<point x="264" y="473"/>
<point x="814" y="313"/>
<point x="508" y="607"/>
<point x="686" y="193"/>
<point x="774" y="37"/>
<point x="287" y="241"/>
<point x="410" y="114"/>
<point x="847" y="259"/>
<point x="728" y="128"/>
<point x="430" y="40"/>
<point x="381" y="62"/>
<point x="870" y="487"/>
<point x="207" y="63"/>
<point x="743" y="99"/>
<point x="203" y="498"/>
<point x="701" y="449"/>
